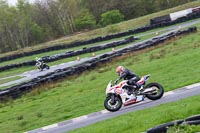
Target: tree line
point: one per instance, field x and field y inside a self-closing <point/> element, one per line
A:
<point x="28" y="24"/>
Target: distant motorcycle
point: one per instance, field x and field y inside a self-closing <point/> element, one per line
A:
<point x="116" y="95"/>
<point x="42" y="65"/>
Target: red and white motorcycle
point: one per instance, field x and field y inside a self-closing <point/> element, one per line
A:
<point x="117" y="95"/>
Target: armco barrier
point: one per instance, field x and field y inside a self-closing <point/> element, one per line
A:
<point x="71" y="53"/>
<point x="166" y="18"/>
<point x="152" y="25"/>
<point x="22" y="88"/>
<point x="193" y="120"/>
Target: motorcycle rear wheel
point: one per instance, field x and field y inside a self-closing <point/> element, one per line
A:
<point x="157" y="94"/>
<point x="47" y="67"/>
<point x="112" y="106"/>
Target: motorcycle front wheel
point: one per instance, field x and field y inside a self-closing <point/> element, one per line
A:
<point x="112" y="105"/>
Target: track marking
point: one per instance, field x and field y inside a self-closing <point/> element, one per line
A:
<point x="50" y="126"/>
<point x="193" y="86"/>
<point x="104" y="111"/>
<point x="80" y="118"/>
<point x="168" y="93"/>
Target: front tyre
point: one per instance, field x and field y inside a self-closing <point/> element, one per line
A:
<point x="157" y="94"/>
<point x="112" y="105"/>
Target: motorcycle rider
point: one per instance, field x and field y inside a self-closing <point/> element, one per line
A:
<point x="132" y="78"/>
<point x="39" y="61"/>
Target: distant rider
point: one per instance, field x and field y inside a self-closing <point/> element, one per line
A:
<point x="132" y="78"/>
<point x="39" y="61"/>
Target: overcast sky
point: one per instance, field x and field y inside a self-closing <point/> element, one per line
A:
<point x="14" y="2"/>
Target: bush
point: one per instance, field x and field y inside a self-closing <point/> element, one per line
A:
<point x="85" y="20"/>
<point x="111" y="17"/>
<point x="36" y="32"/>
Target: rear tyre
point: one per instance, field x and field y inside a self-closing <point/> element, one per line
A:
<point x="46" y="66"/>
<point x="112" y="106"/>
<point x="157" y="94"/>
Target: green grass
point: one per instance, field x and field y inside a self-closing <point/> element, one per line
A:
<point x="120" y="27"/>
<point x="141" y="120"/>
<point x="173" y="65"/>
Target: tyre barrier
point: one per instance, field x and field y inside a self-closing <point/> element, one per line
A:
<point x="71" y="53"/>
<point x="16" y="91"/>
<point x="163" y="127"/>
<point x="141" y="29"/>
<point x="193" y="120"/>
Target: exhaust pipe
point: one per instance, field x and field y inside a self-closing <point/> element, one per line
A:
<point x="148" y="90"/>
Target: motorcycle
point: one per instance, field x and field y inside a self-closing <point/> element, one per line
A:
<point x="42" y="65"/>
<point x="117" y="95"/>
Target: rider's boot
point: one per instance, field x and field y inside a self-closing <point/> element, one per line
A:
<point x="138" y="87"/>
<point x="141" y="88"/>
